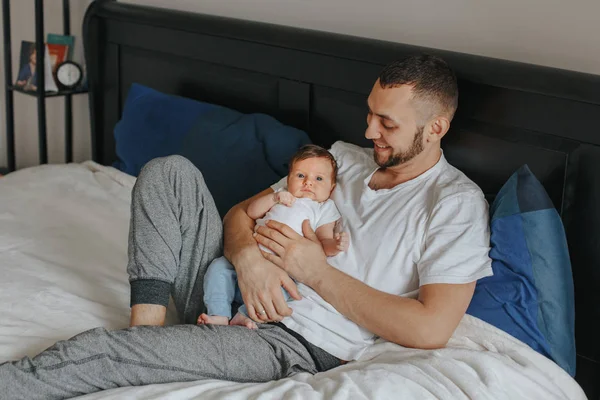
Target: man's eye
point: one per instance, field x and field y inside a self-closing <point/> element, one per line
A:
<point x="388" y="127"/>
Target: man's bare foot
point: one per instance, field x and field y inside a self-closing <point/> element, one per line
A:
<point x="205" y="319"/>
<point x="241" y="320"/>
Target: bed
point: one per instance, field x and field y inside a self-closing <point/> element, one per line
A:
<point x="63" y="246"/>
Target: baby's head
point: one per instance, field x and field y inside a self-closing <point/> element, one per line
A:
<point x="312" y="173"/>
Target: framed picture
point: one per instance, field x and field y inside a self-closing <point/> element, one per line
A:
<point x="28" y="69"/>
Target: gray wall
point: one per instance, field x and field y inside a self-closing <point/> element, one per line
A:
<point x="547" y="32"/>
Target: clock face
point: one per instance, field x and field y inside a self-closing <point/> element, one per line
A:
<point x="68" y="74"/>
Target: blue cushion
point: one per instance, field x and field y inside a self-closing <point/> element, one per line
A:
<point x="153" y="125"/>
<point x="530" y="295"/>
<point x="238" y="154"/>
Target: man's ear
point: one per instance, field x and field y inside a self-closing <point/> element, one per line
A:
<point x="438" y="127"/>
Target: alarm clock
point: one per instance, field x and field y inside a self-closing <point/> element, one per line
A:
<point x="68" y="75"/>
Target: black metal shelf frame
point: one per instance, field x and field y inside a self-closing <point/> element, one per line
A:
<point x="40" y="93"/>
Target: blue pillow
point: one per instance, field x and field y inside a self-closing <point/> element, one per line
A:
<point x="238" y="154"/>
<point x="530" y="295"/>
<point x="153" y="125"/>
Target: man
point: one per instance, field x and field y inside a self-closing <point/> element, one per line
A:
<point x="419" y="241"/>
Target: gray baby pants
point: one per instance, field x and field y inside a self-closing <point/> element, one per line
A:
<point x="175" y="233"/>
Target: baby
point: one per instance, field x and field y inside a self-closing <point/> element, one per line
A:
<point x="310" y="182"/>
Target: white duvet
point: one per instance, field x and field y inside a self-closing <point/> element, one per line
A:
<point x="63" y="252"/>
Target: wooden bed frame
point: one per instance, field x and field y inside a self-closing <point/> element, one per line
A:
<point x="509" y="113"/>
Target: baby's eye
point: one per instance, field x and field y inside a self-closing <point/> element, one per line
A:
<point x="299" y="175"/>
<point x="319" y="178"/>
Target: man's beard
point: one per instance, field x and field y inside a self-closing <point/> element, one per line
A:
<point x="415" y="149"/>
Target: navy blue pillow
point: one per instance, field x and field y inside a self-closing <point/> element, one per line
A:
<point x="238" y="154"/>
<point x="153" y="125"/>
<point x="530" y="295"/>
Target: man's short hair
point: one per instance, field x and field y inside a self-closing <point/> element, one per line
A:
<point x="314" y="151"/>
<point x="433" y="81"/>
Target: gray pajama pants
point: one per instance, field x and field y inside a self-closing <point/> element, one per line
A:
<point x="175" y="233"/>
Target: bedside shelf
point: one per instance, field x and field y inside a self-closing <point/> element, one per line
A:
<point x="48" y="94"/>
<point x="41" y="97"/>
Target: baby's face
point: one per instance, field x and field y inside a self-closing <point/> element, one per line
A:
<point x="311" y="178"/>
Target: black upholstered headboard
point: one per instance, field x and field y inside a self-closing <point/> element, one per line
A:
<point x="509" y="113"/>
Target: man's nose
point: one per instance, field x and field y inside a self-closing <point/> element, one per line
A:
<point x="371" y="132"/>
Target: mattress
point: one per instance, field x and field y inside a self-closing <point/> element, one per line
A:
<point x="63" y="254"/>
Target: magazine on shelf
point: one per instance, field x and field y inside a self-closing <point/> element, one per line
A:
<point x="58" y="54"/>
<point x="65" y="40"/>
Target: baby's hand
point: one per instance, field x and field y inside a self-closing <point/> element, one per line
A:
<point x="286" y="198"/>
<point x="343" y="241"/>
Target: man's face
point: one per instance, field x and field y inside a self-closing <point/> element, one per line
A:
<point x="311" y="178"/>
<point x="392" y="125"/>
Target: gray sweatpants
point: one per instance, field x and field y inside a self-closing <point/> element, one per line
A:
<point x="175" y="232"/>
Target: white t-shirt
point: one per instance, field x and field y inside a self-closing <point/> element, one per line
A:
<point x="431" y="229"/>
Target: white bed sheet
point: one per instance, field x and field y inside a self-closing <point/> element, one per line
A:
<point x="63" y="252"/>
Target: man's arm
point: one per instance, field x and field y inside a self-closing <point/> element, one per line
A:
<point x="238" y="228"/>
<point x="260" y="281"/>
<point x="424" y="323"/>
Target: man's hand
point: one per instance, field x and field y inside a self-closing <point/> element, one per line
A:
<point x="260" y="283"/>
<point x="301" y="257"/>
<point x="286" y="198"/>
<point x="259" y="280"/>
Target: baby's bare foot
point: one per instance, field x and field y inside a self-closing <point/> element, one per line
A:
<point x="205" y="319"/>
<point x="242" y="320"/>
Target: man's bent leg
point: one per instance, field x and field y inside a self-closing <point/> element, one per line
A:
<point x="98" y="360"/>
<point x="175" y="232"/>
